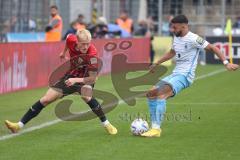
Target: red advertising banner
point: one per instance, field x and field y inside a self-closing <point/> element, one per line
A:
<point x="223" y="44"/>
<point x="29" y="65"/>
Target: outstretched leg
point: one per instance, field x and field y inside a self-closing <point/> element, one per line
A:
<point x="50" y="96"/>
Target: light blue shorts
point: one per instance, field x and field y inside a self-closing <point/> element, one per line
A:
<point x="177" y="82"/>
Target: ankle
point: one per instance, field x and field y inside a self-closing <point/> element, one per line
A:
<point x="155" y="126"/>
<point x="105" y="123"/>
<point x="20" y="124"/>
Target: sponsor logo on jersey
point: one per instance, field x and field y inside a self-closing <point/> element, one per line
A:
<point x="200" y="40"/>
<point x="93" y="60"/>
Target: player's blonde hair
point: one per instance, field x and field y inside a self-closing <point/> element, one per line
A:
<point x="84" y="35"/>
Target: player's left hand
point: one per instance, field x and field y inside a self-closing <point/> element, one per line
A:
<point x="231" y="67"/>
<point x="70" y="81"/>
<point x="152" y="68"/>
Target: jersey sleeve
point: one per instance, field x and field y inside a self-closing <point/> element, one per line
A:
<point x="199" y="42"/>
<point x="92" y="50"/>
<point x="94" y="64"/>
<point x="94" y="61"/>
<point x="70" y="41"/>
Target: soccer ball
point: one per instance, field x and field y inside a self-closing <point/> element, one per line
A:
<point x="139" y="126"/>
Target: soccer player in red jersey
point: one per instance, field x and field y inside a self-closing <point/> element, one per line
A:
<point x="80" y="78"/>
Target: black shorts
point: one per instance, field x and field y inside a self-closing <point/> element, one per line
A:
<point x="61" y="87"/>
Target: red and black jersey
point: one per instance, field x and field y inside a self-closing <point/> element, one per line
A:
<point x="81" y="63"/>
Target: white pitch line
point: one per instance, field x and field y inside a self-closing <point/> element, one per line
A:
<point x="46" y="124"/>
<point x="43" y="125"/>
<point x="207" y="103"/>
<point x="210" y="74"/>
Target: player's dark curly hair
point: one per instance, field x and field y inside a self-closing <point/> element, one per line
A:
<point x="180" y="19"/>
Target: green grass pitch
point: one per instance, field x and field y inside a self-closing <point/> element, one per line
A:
<point x="202" y="123"/>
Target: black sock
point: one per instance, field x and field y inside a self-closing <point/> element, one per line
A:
<point x="32" y="112"/>
<point x="97" y="109"/>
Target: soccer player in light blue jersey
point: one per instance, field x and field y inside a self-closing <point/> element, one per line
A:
<point x="185" y="48"/>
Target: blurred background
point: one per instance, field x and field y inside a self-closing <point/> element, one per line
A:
<point x="207" y="17"/>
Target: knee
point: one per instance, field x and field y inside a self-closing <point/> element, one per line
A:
<point x="151" y="94"/>
<point x="86" y="99"/>
<point x="45" y="100"/>
<point x="162" y="96"/>
<point x="86" y="92"/>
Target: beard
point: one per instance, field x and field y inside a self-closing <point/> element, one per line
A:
<point x="178" y="34"/>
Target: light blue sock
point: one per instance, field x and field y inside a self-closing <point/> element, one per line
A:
<point x="160" y="111"/>
<point x="152" y="104"/>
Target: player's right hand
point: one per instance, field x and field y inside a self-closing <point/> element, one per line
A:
<point x="70" y="82"/>
<point x="62" y="56"/>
